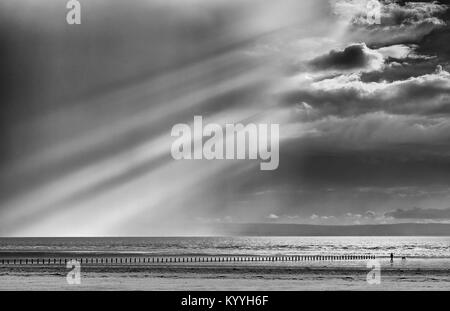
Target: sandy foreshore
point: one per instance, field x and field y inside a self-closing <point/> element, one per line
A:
<point x="424" y="274"/>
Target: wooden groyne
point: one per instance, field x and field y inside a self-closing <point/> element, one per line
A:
<point x="143" y="260"/>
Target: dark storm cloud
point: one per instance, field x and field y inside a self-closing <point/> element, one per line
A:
<point x="402" y="69"/>
<point x="410" y="13"/>
<point x="397" y="34"/>
<point x="420" y="213"/>
<point x="436" y="43"/>
<point x="348" y="95"/>
<point x="352" y="57"/>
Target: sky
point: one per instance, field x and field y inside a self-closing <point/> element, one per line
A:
<point x="87" y="112"/>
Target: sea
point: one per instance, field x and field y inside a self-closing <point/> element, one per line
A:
<point x="410" y="247"/>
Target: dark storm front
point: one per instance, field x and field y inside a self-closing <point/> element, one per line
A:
<point x="361" y="103"/>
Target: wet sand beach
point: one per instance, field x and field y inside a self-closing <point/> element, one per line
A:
<point x="414" y="274"/>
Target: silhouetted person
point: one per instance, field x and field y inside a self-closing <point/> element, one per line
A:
<point x="392" y="257"/>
